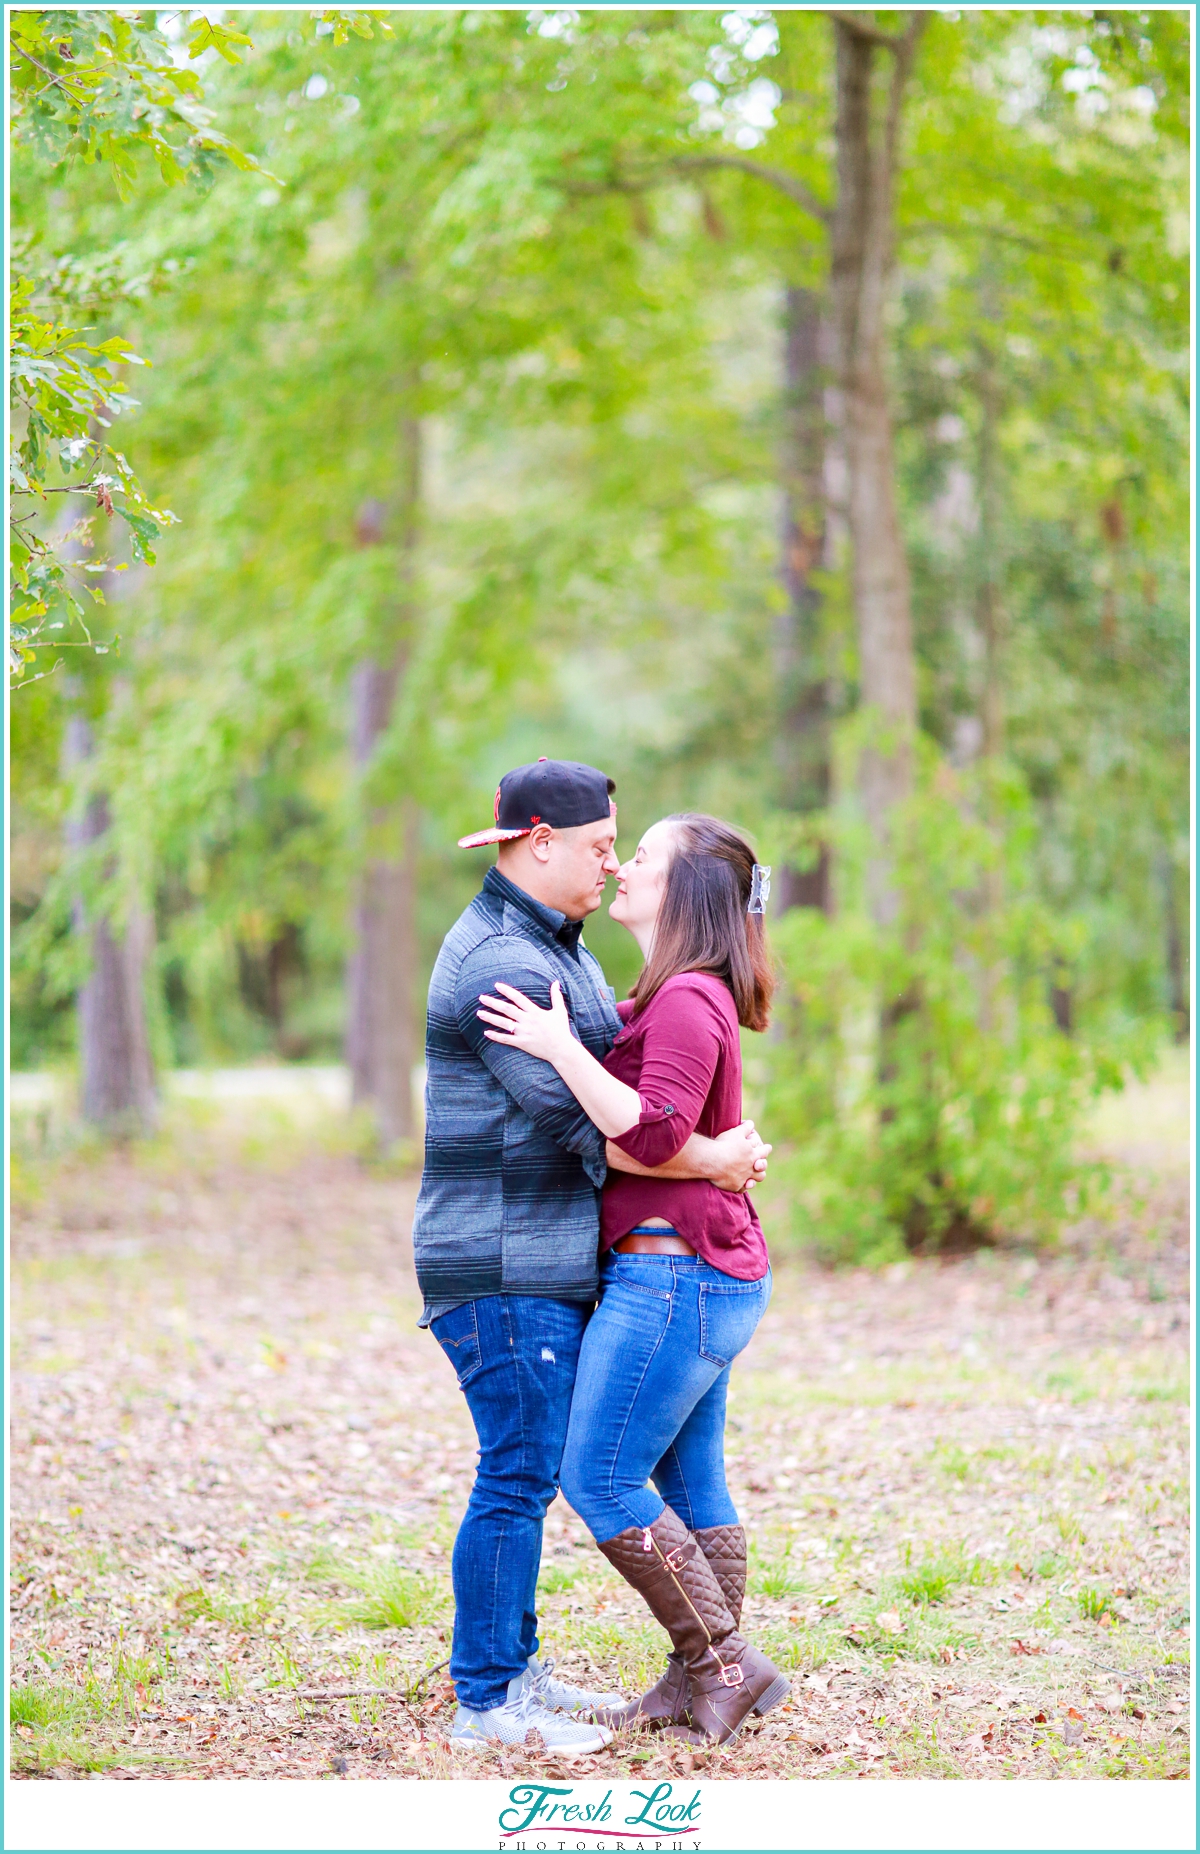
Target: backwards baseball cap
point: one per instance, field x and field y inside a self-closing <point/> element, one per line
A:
<point x="561" y="793"/>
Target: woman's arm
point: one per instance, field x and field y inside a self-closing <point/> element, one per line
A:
<point x="608" y="1103"/>
<point x="735" y="1161"/>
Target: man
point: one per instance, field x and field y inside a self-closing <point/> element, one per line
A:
<point x="507" y="1227"/>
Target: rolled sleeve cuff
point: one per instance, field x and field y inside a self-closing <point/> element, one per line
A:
<point x="593" y="1160"/>
<point x="659" y="1134"/>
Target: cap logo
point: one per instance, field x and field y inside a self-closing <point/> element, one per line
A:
<point x="535" y="817"/>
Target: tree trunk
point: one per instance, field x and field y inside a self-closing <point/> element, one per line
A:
<point x="117" y="1089"/>
<point x="803" y="738"/>
<point x="381" y="1028"/>
<point x="862" y="246"/>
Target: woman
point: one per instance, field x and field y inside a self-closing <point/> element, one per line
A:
<point x="685" y="1277"/>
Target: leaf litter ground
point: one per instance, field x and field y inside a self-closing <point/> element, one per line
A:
<point x="237" y="1466"/>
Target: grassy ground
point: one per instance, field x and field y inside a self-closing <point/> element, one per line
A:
<point x="237" y="1468"/>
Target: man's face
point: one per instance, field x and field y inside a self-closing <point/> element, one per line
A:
<point x="579" y="864"/>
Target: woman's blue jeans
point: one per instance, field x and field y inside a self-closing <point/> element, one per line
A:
<point x="650" y="1391"/>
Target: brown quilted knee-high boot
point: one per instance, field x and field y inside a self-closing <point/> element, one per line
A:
<point x="667" y="1701"/>
<point x="728" y="1679"/>
<point x="725" y="1549"/>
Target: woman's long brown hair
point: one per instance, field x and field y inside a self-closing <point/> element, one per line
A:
<point x="703" y="925"/>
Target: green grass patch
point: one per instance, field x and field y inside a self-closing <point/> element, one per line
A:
<point x="553" y="1579"/>
<point x="931" y="1581"/>
<point x="206" y="1602"/>
<point x="1093" y="1604"/>
<point x="50" y="1726"/>
<point x="777" y="1578"/>
<point x="800" y="1649"/>
<point x="953" y="1462"/>
<point x="385" y="1596"/>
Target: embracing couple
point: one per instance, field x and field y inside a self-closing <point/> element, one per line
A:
<point x="588" y="1253"/>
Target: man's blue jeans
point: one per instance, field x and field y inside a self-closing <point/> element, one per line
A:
<point x="650" y="1394"/>
<point x="515" y="1358"/>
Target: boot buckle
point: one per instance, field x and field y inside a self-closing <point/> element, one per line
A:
<point x="732" y="1676"/>
<point x="676" y="1559"/>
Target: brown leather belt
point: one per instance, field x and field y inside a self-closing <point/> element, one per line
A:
<point x="666" y="1244"/>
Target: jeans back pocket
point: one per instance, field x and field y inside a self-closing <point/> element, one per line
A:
<point x="457" y="1332"/>
<point x="728" y="1317"/>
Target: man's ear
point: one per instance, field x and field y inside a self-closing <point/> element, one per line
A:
<point x="539" y="841"/>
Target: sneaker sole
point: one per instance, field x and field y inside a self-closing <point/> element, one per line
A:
<point x="476" y="1745"/>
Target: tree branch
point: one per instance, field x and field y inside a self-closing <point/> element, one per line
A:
<point x="943" y="229"/>
<point x="56" y="78"/>
<point x="774" y="176"/>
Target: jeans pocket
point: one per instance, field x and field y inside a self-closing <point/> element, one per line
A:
<point x="728" y="1317"/>
<point x="643" y="1273"/>
<point x="457" y="1332"/>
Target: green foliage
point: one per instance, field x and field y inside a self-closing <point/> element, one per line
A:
<point x="950" y="1113"/>
<point x="100" y="87"/>
<point x="553" y="241"/>
<point x="61" y="384"/>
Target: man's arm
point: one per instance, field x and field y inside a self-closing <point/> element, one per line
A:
<point x="537" y="1089"/>
<point x="735" y="1161"/>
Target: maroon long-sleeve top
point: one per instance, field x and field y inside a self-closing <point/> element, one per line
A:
<point x="683" y="1056"/>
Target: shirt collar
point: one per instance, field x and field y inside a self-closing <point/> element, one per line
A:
<point x="555" y="923"/>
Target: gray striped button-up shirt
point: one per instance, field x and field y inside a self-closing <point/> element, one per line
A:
<point x="509" y="1199"/>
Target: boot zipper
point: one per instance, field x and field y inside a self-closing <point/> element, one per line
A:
<point x="667" y="1566"/>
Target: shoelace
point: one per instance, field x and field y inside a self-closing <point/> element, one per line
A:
<point x="542" y="1681"/>
<point x="529" y="1708"/>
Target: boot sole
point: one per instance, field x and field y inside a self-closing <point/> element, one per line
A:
<point x="777" y="1691"/>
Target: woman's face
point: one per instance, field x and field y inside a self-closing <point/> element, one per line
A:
<point x="641" y="881"/>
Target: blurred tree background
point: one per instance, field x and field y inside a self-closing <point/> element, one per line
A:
<point x="785" y="412"/>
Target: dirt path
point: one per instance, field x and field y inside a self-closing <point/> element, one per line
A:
<point x="237" y="1467"/>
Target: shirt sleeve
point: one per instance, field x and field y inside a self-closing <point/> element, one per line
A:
<point x="538" y="1089"/>
<point x="681" y="1046"/>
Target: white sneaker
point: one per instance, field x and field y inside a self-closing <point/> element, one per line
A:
<point x="559" y="1696"/>
<point x="523" y="1712"/>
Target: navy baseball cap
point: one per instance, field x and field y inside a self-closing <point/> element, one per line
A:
<point x="561" y="793"/>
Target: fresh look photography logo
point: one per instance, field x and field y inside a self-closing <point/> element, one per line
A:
<point x="560" y="1816"/>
